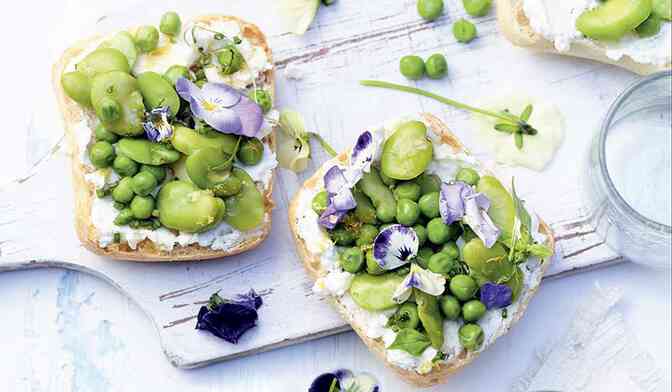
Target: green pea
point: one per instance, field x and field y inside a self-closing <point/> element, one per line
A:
<point x="365" y="211"/>
<point x="230" y="59"/>
<point x="429" y="313"/>
<point x="146" y="38"/>
<point x="319" y="203"/>
<point x="381" y="196"/>
<point x="342" y="237"/>
<point x="101" y="154"/>
<point x="468" y="176"/>
<point x="245" y="210"/>
<point x="463" y="287"/>
<point x="186" y="141"/>
<point x="352" y="260"/>
<point x="77" y="86"/>
<point x="406" y="316"/>
<point x="429" y="183"/>
<point x="251" y="151"/>
<point x="650" y="27"/>
<point x="390" y="182"/>
<point x="407" y="190"/>
<point x="662" y="9"/>
<point x="423" y="257"/>
<point x="421" y="232"/>
<point x="436" y="66"/>
<point x="407" y="212"/>
<point x="103" y="135"/>
<point x="451" y="249"/>
<point x="123" y="42"/>
<point x="108" y="110"/>
<point x="143" y="183"/>
<point x="450" y="307"/>
<point x="473" y="310"/>
<point x="372" y="266"/>
<point x="464" y="31"/>
<point x="429" y="205"/>
<point x="367" y="233"/>
<point x="438" y="232"/>
<point x="122" y="88"/>
<point x="262" y="98"/>
<point x="123" y="192"/>
<point x="176" y="72"/>
<point x="430" y="9"/>
<point x="471" y="336"/>
<point x="441" y="263"/>
<point x="170" y="24"/>
<point x="374" y="292"/>
<point x="228" y="186"/>
<point x="124" y="166"/>
<point x="158" y="92"/>
<point x="101" y="61"/>
<point x="124" y="217"/>
<point x="408" y="152"/>
<point x="412" y="67"/>
<point x="146" y="152"/>
<point x="209" y="168"/>
<point x="184" y="207"/>
<point x="157" y="171"/>
<point x="142" y="207"/>
<point x="477" y="7"/>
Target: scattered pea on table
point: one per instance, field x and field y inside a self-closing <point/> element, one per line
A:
<point x="147" y="38"/>
<point x="464" y="31"/>
<point x="436" y="66"/>
<point x="430" y="9"/>
<point x="412" y="67"/>
<point x="477" y="7"/>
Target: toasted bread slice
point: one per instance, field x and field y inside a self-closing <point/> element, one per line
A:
<point x="515" y="26"/>
<point x="146" y="250"/>
<point x="312" y="264"/>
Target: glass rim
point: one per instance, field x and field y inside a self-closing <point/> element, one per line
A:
<point x="604" y="130"/>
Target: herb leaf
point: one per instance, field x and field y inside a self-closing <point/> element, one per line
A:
<point x="519" y="140"/>
<point x="507" y="128"/>
<point x="540" y="250"/>
<point x="521" y="212"/>
<point x="411" y="341"/>
<point x="527" y="112"/>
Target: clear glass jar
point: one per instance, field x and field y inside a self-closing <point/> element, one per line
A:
<point x="630" y="174"/>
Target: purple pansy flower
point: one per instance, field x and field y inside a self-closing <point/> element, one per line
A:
<point x="344" y="380"/>
<point x="222" y="107"/>
<point x="157" y="128"/>
<point x="495" y="296"/>
<point x="229" y="319"/>
<point x="340" y="199"/>
<point x="362" y="157"/>
<point x="459" y="201"/>
<point x="421" y="279"/>
<point x="395" y="246"/>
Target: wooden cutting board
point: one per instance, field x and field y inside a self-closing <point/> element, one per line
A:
<point x="350" y="41"/>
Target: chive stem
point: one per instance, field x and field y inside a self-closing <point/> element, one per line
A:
<point x="323" y="143"/>
<point x="413" y="90"/>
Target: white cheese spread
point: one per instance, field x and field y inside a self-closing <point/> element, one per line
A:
<point x="556" y="22"/>
<point x="335" y="282"/>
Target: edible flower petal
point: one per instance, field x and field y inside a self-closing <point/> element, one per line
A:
<point x="459" y="201"/>
<point x="421" y="279"/>
<point x="495" y="296"/>
<point x="362" y="156"/>
<point x="293" y="142"/>
<point x="330" y="217"/>
<point x="222" y="107"/>
<point x="344" y="380"/>
<point x="395" y="246"/>
<point x="340" y="198"/>
<point x="229" y="319"/>
<point x="158" y="128"/>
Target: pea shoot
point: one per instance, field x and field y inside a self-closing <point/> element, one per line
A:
<point x="517" y="126"/>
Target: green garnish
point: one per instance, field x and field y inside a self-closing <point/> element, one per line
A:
<point x="333" y="387"/>
<point x="509" y="123"/>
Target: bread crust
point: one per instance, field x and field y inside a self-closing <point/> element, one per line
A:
<point x="311" y="262"/>
<point x="84" y="192"/>
<point x="515" y="26"/>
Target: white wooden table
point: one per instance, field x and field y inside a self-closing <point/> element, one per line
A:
<point x="73" y="332"/>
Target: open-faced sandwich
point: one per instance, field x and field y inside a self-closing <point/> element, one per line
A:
<point x="424" y="252"/>
<point x="173" y="156"/>
<point x="634" y="34"/>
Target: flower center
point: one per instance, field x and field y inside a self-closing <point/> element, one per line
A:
<point x="209" y="106"/>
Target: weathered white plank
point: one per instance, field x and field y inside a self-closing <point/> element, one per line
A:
<point x="349" y="42"/>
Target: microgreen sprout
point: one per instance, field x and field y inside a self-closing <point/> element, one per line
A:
<point x="509" y="123"/>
